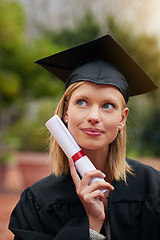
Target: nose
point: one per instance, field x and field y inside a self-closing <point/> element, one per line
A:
<point x="93" y="116"/>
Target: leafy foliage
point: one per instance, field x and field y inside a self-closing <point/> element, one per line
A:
<point x="84" y="31"/>
<point x="21" y="81"/>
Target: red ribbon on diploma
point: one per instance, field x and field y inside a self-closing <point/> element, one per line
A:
<point x="78" y="155"/>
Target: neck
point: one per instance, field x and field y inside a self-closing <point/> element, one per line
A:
<point x="98" y="158"/>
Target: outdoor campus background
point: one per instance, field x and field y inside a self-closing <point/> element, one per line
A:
<point x="32" y="29"/>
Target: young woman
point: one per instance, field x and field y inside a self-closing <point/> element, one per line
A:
<point x="99" y="78"/>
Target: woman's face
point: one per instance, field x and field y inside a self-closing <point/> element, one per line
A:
<point x="95" y="114"/>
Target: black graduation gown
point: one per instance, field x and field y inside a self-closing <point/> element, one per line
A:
<point x="51" y="209"/>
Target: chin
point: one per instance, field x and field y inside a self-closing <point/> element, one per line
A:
<point x="91" y="147"/>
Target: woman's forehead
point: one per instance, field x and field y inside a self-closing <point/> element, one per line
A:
<point x="92" y="90"/>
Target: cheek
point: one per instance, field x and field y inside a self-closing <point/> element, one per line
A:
<point x="113" y="126"/>
<point x="114" y="130"/>
<point x="73" y="121"/>
<point x="113" y="122"/>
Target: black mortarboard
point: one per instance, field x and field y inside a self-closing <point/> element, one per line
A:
<point x="102" y="61"/>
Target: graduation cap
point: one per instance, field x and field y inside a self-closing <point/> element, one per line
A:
<point x="102" y="61"/>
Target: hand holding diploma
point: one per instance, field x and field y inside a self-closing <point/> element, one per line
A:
<point x="92" y="187"/>
<point x="70" y="147"/>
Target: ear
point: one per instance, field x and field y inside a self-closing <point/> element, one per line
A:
<point x="65" y="112"/>
<point x="123" y="118"/>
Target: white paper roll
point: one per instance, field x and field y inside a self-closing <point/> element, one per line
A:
<point x="62" y="136"/>
<point x="70" y="146"/>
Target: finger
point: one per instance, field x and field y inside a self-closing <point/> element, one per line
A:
<point x="90" y="175"/>
<point x="93" y="197"/>
<point x="74" y="174"/>
<point x="96" y="186"/>
<point x="100" y="185"/>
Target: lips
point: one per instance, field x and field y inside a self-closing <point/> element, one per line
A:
<point x="92" y="131"/>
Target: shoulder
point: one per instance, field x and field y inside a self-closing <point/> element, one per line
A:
<point x="143" y="170"/>
<point x="144" y="176"/>
<point x="53" y="189"/>
<point x="145" y="182"/>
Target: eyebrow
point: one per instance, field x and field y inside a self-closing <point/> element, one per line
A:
<point x="81" y="96"/>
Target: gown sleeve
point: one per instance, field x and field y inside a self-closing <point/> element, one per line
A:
<point x="28" y="222"/>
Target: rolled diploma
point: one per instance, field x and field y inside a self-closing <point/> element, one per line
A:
<point x="70" y="147"/>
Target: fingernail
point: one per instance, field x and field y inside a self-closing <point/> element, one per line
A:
<point x="112" y="187"/>
<point x="104" y="175"/>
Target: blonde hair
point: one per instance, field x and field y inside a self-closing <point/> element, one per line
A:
<point x="117" y="167"/>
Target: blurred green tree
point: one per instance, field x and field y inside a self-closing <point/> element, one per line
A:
<point x="20" y="78"/>
<point x="11" y="38"/>
<point x="84" y="30"/>
<point x="144" y="132"/>
<point x="22" y="81"/>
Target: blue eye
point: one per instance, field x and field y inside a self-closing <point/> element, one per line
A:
<point x="108" y="106"/>
<point x="81" y="102"/>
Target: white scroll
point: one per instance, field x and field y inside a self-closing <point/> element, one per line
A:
<point x="70" y="147"/>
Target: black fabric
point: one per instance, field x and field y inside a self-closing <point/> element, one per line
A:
<point x="100" y="72"/>
<point x="105" y="48"/>
<point x="51" y="209"/>
<point x="134" y="209"/>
